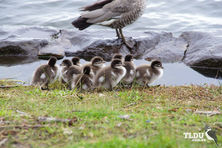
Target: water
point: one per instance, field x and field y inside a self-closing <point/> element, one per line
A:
<point x="160" y="15"/>
<point x="174" y="73"/>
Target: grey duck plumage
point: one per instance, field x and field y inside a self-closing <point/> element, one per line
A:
<point x="112" y="13"/>
<point x="121" y="12"/>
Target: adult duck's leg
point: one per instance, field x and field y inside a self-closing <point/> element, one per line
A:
<point x="124" y="40"/>
<point x="117" y="33"/>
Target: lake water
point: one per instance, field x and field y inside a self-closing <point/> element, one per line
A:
<point x="174" y="73"/>
<point x="160" y="15"/>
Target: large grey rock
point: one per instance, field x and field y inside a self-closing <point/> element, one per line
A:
<point x="208" y="71"/>
<point x="16" y="60"/>
<point x="55" y="48"/>
<point x="21" y="48"/>
<point x="32" y="41"/>
<point x="204" y="49"/>
<point x="103" y="48"/>
<point x="165" y="47"/>
<point x="161" y="46"/>
<point x="23" y="41"/>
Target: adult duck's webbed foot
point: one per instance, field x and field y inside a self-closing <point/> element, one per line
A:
<point x="128" y="45"/>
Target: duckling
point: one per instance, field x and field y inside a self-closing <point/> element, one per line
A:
<point x="83" y="81"/>
<point x="72" y="74"/>
<point x="130" y="70"/>
<point x="66" y="64"/>
<point x="147" y="74"/>
<point x="45" y="74"/>
<point x="76" y="61"/>
<point x="69" y="72"/>
<point x="110" y="76"/>
<point x="117" y="56"/>
<point x="96" y="64"/>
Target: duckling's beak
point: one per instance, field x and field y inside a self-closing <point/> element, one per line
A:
<point x="162" y="67"/>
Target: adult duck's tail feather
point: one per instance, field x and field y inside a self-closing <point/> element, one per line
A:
<point x="81" y="23"/>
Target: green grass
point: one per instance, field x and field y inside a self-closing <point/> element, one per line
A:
<point x="158" y="117"/>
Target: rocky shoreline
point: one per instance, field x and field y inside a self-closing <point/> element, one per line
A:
<point x="191" y="48"/>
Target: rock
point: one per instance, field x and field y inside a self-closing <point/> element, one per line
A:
<point x="204" y="49"/>
<point x="208" y="71"/>
<point x="56" y="47"/>
<point x="193" y="48"/>
<point x="103" y="48"/>
<point x="15" y="60"/>
<point x="167" y="48"/>
<point x="161" y="46"/>
<point x="51" y="50"/>
<point x="32" y="41"/>
<point x="12" y="50"/>
<point x="21" y="48"/>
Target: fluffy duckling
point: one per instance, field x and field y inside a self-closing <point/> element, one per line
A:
<point x="66" y="64"/>
<point x="130" y="70"/>
<point x="96" y="64"/>
<point x="76" y="61"/>
<point x="45" y="74"/>
<point x="72" y="74"/>
<point x="110" y="76"/>
<point x="117" y="56"/>
<point x="147" y="74"/>
<point x="83" y="81"/>
<point x="69" y="72"/>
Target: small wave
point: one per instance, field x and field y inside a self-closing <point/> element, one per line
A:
<point x="173" y="16"/>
